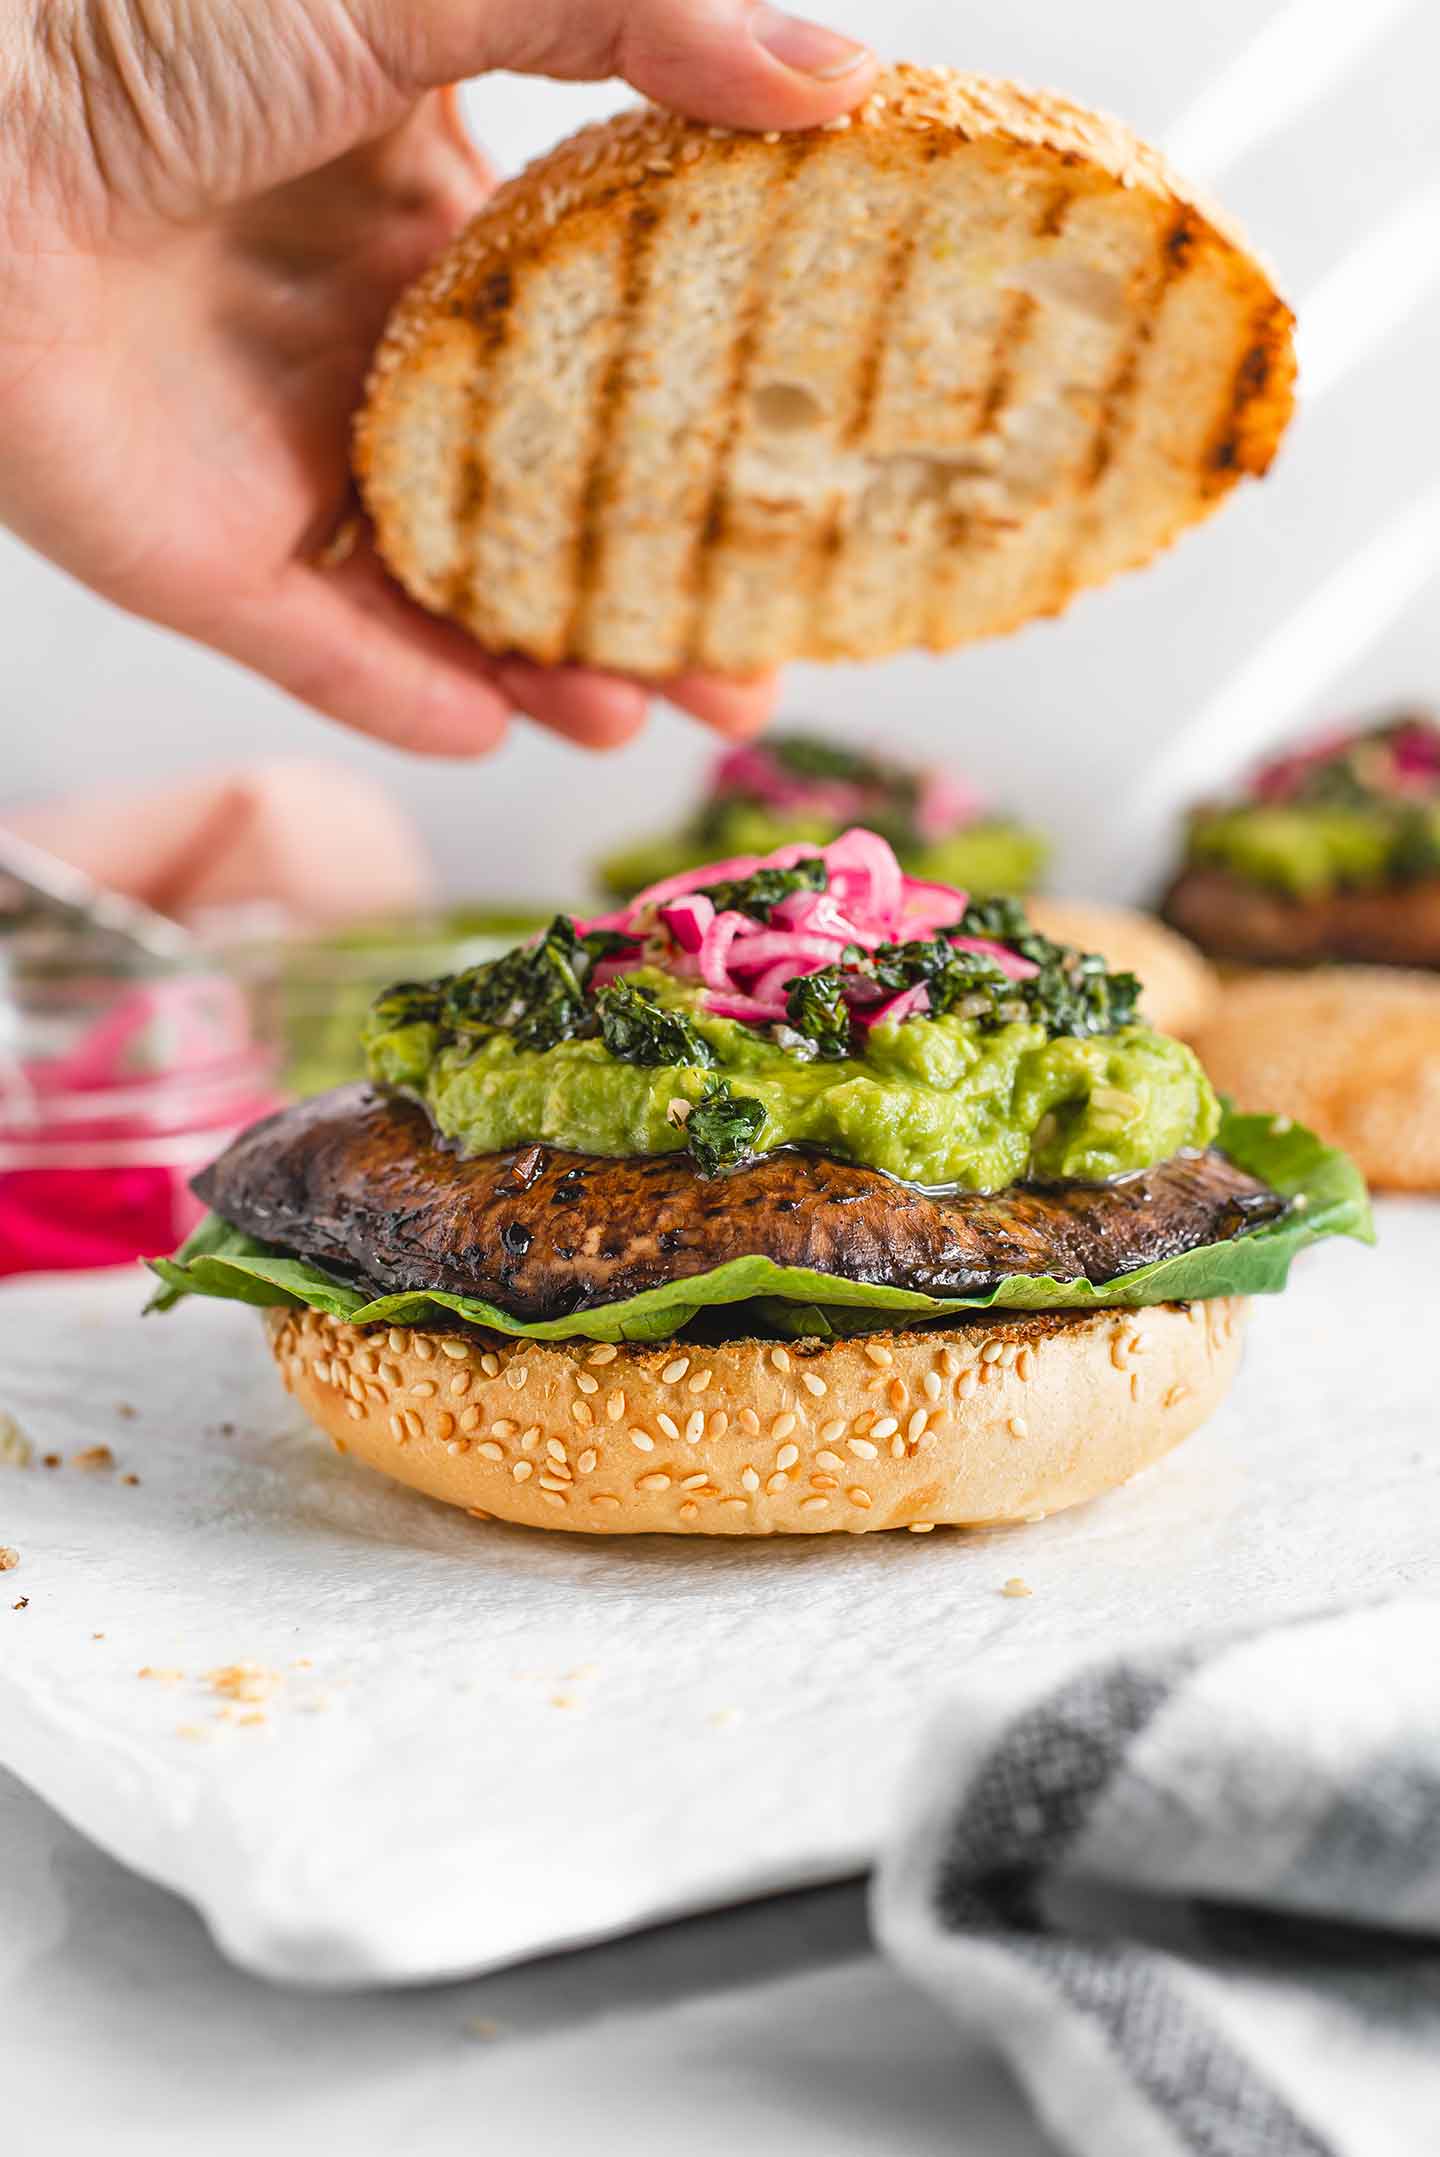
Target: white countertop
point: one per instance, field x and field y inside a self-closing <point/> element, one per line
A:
<point x="769" y="2028"/>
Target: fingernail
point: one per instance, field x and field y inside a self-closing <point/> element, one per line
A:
<point x="806" y="47"/>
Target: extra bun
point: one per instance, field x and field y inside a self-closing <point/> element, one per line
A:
<point x="685" y="398"/>
<point x="1354" y="1052"/>
<point x="1005" y="1419"/>
<point x="1180" y="986"/>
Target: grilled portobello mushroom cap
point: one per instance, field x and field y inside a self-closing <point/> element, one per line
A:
<point x="1231" y="918"/>
<point x="357" y="1181"/>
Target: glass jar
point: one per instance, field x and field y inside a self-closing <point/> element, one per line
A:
<point x="322" y="986"/>
<point x="121" y="1075"/>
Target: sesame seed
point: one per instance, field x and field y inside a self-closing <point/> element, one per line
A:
<point x="780" y="1357"/>
<point x="668" y="1424"/>
<point x="719" y="1423"/>
<point x="878" y="1355"/>
<point x="643" y="1440"/>
<point x="424" y="1349"/>
<point x="490" y="1449"/>
<point x="932" y="1385"/>
<point x="586" y="1383"/>
<point x="397" y="1430"/>
<point x="1134" y="1385"/>
<point x="749" y="1480"/>
<point x="517" y="1375"/>
<point x="674" y="1372"/>
<point x="885" y="1428"/>
<point x="949" y="1363"/>
<point x="915" y="1428"/>
<point x="1019" y="1428"/>
<point x="582" y="1413"/>
<point x="965" y="1386"/>
<point x="455" y="1350"/>
<point x="695" y="1426"/>
<point x="814" y="1505"/>
<point x="694" y="1482"/>
<point x="749" y="1423"/>
<point x="552" y="1482"/>
<point x="733" y="1503"/>
<point x="615" y="1407"/>
<point x="1175" y="1395"/>
<point x="1025" y="1363"/>
<point x="555" y="1450"/>
<point x="605" y="1353"/>
<point x="604" y="1497"/>
<point x="861" y="1448"/>
<point x="472" y="1418"/>
<point x="528" y="1438"/>
<point x="814" y="1385"/>
<point x="502" y="1429"/>
<point x="863" y="1422"/>
<point x="823" y="1482"/>
<point x="832" y="1431"/>
<point x="444" y="1424"/>
<point x="490" y="1365"/>
<point x="392" y="1374"/>
<point x="921" y="1527"/>
<point x="700" y="1381"/>
<point x="587" y="1461"/>
<point x="653" y="1482"/>
<point x="1016" y="1586"/>
<point x="787" y="1456"/>
<point x="783" y="1424"/>
<point x="828" y="1460"/>
<point x="354" y="1410"/>
<point x="776" y="1484"/>
<point x="398" y="1341"/>
<point x="1299" y="1202"/>
<point x="552" y="1497"/>
<point x="858" y="1495"/>
<point x="414" y="1428"/>
<point x="689" y="1509"/>
<point x="992" y="1351"/>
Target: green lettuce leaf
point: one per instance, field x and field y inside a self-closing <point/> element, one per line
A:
<point x="1326" y="1192"/>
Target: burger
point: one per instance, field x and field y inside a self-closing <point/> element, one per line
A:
<point x="797" y="1195"/>
<point x="1319" y="887"/>
<point x="802" y="787"/>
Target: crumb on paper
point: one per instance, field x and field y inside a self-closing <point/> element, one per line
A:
<point x="227" y="1430"/>
<point x="480" y="2026"/>
<point x="126" y="1410"/>
<point x="1016" y="1586"/>
<point x="97" y="1636"/>
<point x="16" y="1450"/>
<point x="242" y="1681"/>
<point x="562" y="1700"/>
<point x="9" y="1557"/>
<point x="93" y="1456"/>
<point x="722" y="1718"/>
<point x="23" y="1603"/>
<point x="132" y="1480"/>
<point x="50" y="1460"/>
<point x="163" y="1675"/>
<point x="195" y="1732"/>
<point x="581" y="1670"/>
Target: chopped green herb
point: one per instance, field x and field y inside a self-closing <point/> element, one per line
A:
<point x="409" y="1003"/>
<point x="756" y="895"/>
<point x="637" y="1030"/>
<point x="721" y="1130"/>
<point x="816" y="1007"/>
<point x="536" y="993"/>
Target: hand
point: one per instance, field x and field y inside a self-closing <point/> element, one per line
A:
<point x="207" y="208"/>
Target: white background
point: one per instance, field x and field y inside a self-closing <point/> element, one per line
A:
<point x="1311" y="595"/>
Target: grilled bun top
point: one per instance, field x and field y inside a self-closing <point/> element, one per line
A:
<point x="680" y="397"/>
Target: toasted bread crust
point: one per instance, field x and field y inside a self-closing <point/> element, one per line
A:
<point x="681" y="397"/>
<point x="1006" y="1419"/>
<point x="1351" y="1051"/>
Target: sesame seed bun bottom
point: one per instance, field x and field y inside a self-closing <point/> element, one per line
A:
<point x="1005" y="1419"/>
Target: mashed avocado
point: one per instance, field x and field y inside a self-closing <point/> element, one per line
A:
<point x="936" y="1101"/>
<point x="991" y="856"/>
<point x="1305" y="851"/>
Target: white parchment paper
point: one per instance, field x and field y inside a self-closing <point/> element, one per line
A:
<point x="462" y="1743"/>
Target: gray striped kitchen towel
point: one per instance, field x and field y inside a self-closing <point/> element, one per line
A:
<point x="1192" y="1894"/>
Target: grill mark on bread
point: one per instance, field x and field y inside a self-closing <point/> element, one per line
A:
<point x="711" y="534"/>
<point x="999" y="388"/>
<point x="831" y="536"/>
<point x="490" y="308"/>
<point x="1177" y="252"/>
<point x="1233" y="450"/>
<point x="640" y="228"/>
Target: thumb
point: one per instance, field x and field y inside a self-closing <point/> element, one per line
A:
<point x="734" y="63"/>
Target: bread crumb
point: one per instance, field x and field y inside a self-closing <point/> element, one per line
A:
<point x="1016" y="1586"/>
<point x="22" y="1604"/>
<point x="480" y="2026"/>
<point x="93" y="1456"/>
<point x="15" y="1448"/>
<point x="126" y="1410"/>
<point x="561" y="1700"/>
<point x="97" y="1636"/>
<point x="132" y="1480"/>
<point x="166" y="1677"/>
<point x="9" y="1558"/>
<point x="50" y="1460"/>
<point x="242" y="1681"/>
<point x="194" y="1731"/>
